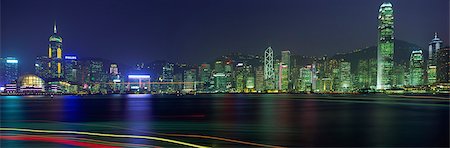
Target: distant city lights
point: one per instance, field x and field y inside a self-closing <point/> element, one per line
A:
<point x="70" y="57"/>
<point x="138" y="76"/>
<point x="12" y="61"/>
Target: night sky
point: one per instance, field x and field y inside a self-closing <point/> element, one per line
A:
<point x="194" y="31"/>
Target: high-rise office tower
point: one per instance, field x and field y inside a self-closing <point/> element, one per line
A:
<point x="9" y="70"/>
<point x="259" y="78"/>
<point x="71" y="68"/>
<point x="204" y="76"/>
<point x="269" y="76"/>
<point x="168" y="76"/>
<point x="345" y="77"/>
<point x="305" y="79"/>
<point x="240" y="77"/>
<point x="92" y="71"/>
<point x="443" y="64"/>
<point x="286" y="59"/>
<point x="385" y="54"/>
<point x="41" y="67"/>
<point x="189" y="80"/>
<point x="283" y="77"/>
<point x="55" y="66"/>
<point x="433" y="47"/>
<point x="416" y="68"/>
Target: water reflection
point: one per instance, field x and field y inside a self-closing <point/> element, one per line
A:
<point x="139" y="116"/>
<point x="285" y="120"/>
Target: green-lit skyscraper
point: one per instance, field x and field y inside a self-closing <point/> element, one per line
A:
<point x="416" y="70"/>
<point x="385" y="54"/>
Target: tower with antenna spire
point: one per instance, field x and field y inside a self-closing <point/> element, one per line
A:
<point x="434" y="45"/>
<point x="55" y="67"/>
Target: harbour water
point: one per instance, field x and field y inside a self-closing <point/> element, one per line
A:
<point x="232" y="120"/>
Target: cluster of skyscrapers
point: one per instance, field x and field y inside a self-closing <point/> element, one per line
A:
<point x="238" y="73"/>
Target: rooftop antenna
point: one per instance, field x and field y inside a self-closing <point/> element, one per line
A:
<point x="54" y="27"/>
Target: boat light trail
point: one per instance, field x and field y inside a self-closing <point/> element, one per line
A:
<point x="103" y="135"/>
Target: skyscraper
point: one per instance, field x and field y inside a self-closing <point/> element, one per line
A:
<point x="283" y="77"/>
<point x="385" y="54"/>
<point x="286" y="59"/>
<point x="259" y="78"/>
<point x="167" y="76"/>
<point x="345" y="77"/>
<point x="71" y="68"/>
<point x="269" y="75"/>
<point x="443" y="64"/>
<point x="55" y="66"/>
<point x="41" y="67"/>
<point x="9" y="70"/>
<point x="189" y="81"/>
<point x="433" y="47"/>
<point x="416" y="68"/>
<point x="204" y="75"/>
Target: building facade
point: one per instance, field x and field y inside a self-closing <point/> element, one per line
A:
<point x="385" y="54"/>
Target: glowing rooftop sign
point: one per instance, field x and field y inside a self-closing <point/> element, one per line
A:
<point x="70" y="57"/>
<point x="12" y="61"/>
<point x="138" y="76"/>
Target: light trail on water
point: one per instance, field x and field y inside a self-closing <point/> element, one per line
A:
<point x="104" y="135"/>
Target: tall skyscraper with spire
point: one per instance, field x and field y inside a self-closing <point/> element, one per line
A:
<point x="269" y="75"/>
<point x="434" y="45"/>
<point x="385" y="54"/>
<point x="55" y="66"/>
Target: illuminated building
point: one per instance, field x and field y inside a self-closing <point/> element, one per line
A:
<point x="306" y="79"/>
<point x="55" y="66"/>
<point x="204" y="73"/>
<point x="113" y="69"/>
<point x="250" y="83"/>
<point x="220" y="82"/>
<point x="269" y="75"/>
<point x="335" y="74"/>
<point x="93" y="76"/>
<point x="31" y="84"/>
<point x="115" y="78"/>
<point x="366" y="74"/>
<point x="345" y="77"/>
<point x="62" y="87"/>
<point x="240" y="84"/>
<point x="286" y="59"/>
<point x="93" y="70"/>
<point x="167" y="76"/>
<point x="229" y="74"/>
<point x="433" y="47"/>
<point x="189" y="81"/>
<point x="138" y="83"/>
<point x="385" y="54"/>
<point x="240" y="77"/>
<point x="259" y="79"/>
<point x="9" y="70"/>
<point x="71" y="69"/>
<point x="218" y="67"/>
<point x="442" y="65"/>
<point x="283" y="77"/>
<point x="41" y="67"/>
<point x="416" y="68"/>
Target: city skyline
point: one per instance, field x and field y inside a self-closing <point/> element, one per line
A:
<point x="256" y="45"/>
